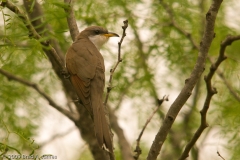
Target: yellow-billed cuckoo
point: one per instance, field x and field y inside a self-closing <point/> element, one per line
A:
<point x="85" y="65"/>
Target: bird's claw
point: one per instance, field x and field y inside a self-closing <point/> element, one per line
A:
<point x="65" y="74"/>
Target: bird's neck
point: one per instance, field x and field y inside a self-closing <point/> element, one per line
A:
<point x="98" y="40"/>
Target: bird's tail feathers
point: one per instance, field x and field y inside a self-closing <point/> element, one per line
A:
<point x="102" y="129"/>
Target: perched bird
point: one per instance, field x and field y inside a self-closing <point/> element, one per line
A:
<point x="85" y="65"/>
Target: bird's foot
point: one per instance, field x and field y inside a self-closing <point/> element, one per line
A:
<point x="65" y="74"/>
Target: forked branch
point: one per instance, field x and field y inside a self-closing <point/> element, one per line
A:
<point x="210" y="92"/>
<point x="189" y="83"/>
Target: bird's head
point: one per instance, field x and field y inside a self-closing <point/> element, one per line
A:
<point x="98" y="35"/>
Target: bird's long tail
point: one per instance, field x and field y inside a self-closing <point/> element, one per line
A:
<point x="102" y="128"/>
<point x="90" y="94"/>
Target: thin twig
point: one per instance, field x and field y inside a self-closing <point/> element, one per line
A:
<point x="138" y="149"/>
<point x="40" y="91"/>
<point x="210" y="92"/>
<point x="220" y="155"/>
<point x="72" y="24"/>
<point x="109" y="88"/>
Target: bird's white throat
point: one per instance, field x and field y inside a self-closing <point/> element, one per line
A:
<point x="98" y="40"/>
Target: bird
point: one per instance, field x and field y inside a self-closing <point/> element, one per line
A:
<point x="85" y="65"/>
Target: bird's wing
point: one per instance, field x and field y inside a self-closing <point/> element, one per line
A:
<point x="84" y="63"/>
<point x="81" y="65"/>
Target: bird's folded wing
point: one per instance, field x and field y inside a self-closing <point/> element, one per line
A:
<point x="81" y="65"/>
<point x="83" y="91"/>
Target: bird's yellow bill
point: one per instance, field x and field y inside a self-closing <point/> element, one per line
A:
<point x="110" y="34"/>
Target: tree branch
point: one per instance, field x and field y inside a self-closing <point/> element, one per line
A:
<point x="36" y="14"/>
<point x="41" y="92"/>
<point x="138" y="150"/>
<point x="228" y="41"/>
<point x="109" y="88"/>
<point x="72" y="24"/>
<point x="189" y="83"/>
<point x="210" y="92"/>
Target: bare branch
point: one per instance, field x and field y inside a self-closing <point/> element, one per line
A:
<point x="138" y="149"/>
<point x="189" y="83"/>
<point x="41" y="92"/>
<point x="109" y="88"/>
<point x="228" y="41"/>
<point x="72" y="24"/>
<point x="220" y="155"/>
<point x="210" y="92"/>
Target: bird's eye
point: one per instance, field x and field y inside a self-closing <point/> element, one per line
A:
<point x="97" y="31"/>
